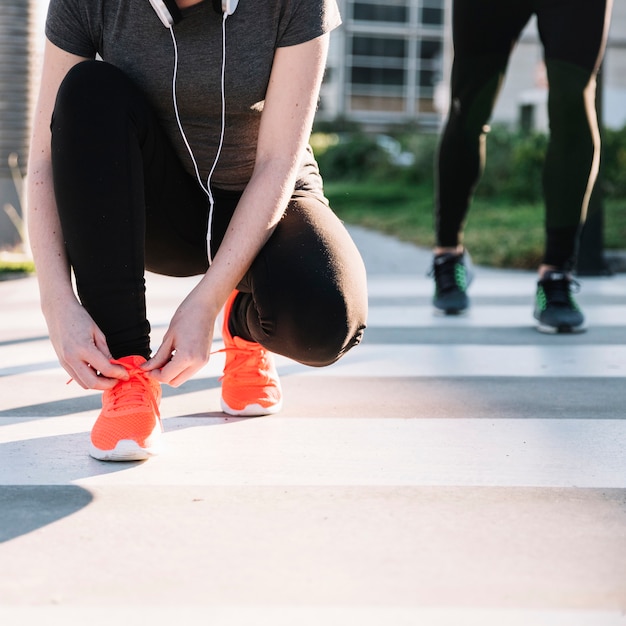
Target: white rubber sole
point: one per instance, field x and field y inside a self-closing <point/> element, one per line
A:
<point x="560" y="330"/>
<point x="251" y="410"/>
<point x="450" y="312"/>
<point x="129" y="449"/>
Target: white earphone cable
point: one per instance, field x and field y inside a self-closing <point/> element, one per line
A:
<point x="221" y="143"/>
<point x="175" y="100"/>
<point x="206" y="189"/>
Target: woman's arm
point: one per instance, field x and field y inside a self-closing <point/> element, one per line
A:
<point x="79" y="344"/>
<point x="286" y="122"/>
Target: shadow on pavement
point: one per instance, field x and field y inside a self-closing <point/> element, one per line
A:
<point x="92" y="401"/>
<point x="25" y="508"/>
<point x="37" y="474"/>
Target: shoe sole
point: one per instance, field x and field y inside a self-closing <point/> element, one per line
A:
<point x="125" y="450"/>
<point x="251" y="410"/>
<point x="450" y="312"/>
<point x="560" y="330"/>
<point x="129" y="449"/>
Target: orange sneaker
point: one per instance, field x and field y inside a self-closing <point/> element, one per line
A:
<point x="250" y="384"/>
<point x="129" y="426"/>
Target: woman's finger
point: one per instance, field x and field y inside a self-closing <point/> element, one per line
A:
<point x="161" y="357"/>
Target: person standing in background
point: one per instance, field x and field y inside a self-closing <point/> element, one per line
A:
<point x="484" y="32"/>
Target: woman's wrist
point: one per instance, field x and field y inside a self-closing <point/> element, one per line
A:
<point x="56" y="297"/>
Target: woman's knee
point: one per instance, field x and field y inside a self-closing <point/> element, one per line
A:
<point x="318" y="331"/>
<point x="90" y="88"/>
<point x="310" y="286"/>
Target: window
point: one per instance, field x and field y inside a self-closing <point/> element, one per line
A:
<point x="431" y="12"/>
<point x="429" y="64"/>
<point x="379" y="12"/>
<point x="393" y="58"/>
<point x="392" y="47"/>
<point x="376" y="76"/>
<point x="378" y="61"/>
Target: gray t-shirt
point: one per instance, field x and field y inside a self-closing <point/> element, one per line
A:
<point x="129" y="35"/>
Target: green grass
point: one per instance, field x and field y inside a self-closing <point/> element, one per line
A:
<point x="8" y="269"/>
<point x="498" y="234"/>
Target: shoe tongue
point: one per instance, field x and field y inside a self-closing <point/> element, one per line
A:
<point x="133" y="360"/>
<point x="554" y="276"/>
<point x="440" y="259"/>
<point x="557" y="287"/>
<point x="243" y="344"/>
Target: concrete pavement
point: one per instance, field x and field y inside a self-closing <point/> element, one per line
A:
<point x="449" y="471"/>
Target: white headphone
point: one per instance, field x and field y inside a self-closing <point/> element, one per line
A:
<point x="169" y="14"/>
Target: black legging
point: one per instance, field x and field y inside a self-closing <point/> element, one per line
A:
<point x="484" y="33"/>
<point x="126" y="204"/>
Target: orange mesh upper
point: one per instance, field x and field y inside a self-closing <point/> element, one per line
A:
<point x="130" y="410"/>
<point x="249" y="373"/>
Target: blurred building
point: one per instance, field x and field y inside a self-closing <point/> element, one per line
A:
<point x="16" y="27"/>
<point x="389" y="64"/>
<point x="385" y="63"/>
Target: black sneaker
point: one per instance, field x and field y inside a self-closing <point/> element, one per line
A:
<point x="555" y="307"/>
<point x="453" y="275"/>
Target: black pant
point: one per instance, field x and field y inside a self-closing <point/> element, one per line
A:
<point x="484" y="33"/>
<point x="126" y="204"/>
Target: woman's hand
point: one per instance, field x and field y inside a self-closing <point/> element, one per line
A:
<point x="187" y="343"/>
<point x="82" y="348"/>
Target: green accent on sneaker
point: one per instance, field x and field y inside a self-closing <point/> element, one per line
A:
<point x="453" y="275"/>
<point x="542" y="301"/>
<point x="460" y="276"/>
<point x="556" y="309"/>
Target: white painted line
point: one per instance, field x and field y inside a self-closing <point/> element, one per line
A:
<point x="314" y="615"/>
<point x="491" y="316"/>
<point x="476" y="360"/>
<point x="489" y="283"/>
<point x="389" y="360"/>
<point x="333" y="451"/>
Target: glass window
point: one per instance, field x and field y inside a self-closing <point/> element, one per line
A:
<point x="429" y="64"/>
<point x="394" y="57"/>
<point x="378" y="47"/>
<point x="383" y="76"/>
<point x="429" y="49"/>
<point x="380" y="12"/>
<point x="428" y="79"/>
<point x="431" y="12"/>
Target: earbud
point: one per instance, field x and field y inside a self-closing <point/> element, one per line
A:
<point x="225" y="6"/>
<point x="229" y="6"/>
<point x="168" y="12"/>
